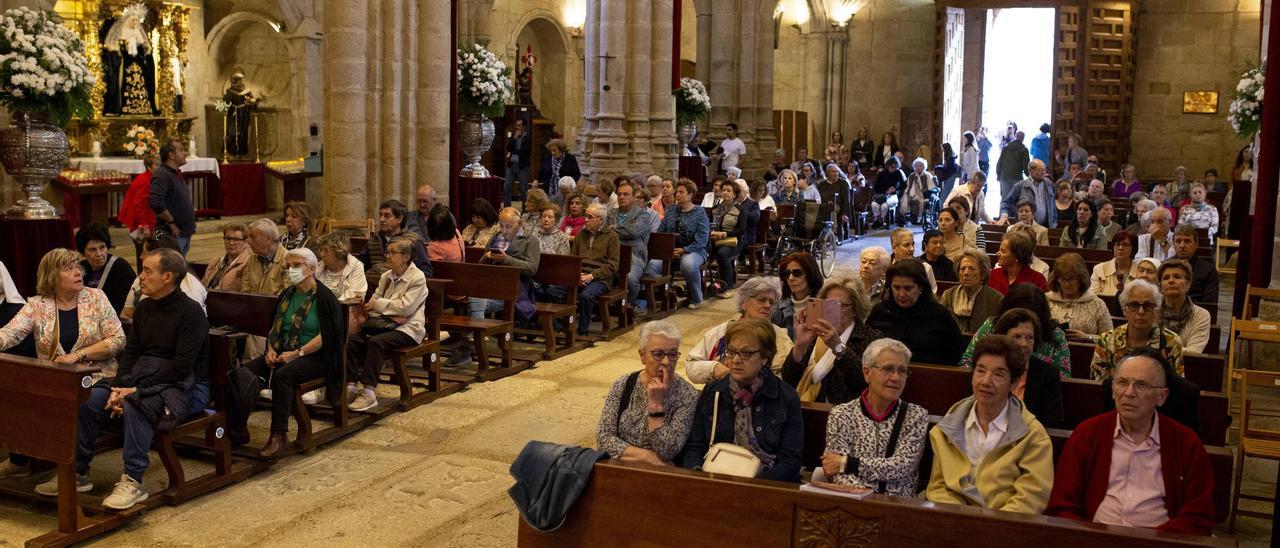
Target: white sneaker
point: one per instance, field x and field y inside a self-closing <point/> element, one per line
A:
<point x="694" y="306"/>
<point x="50" y="488"/>
<point x="126" y="494"/>
<point x="313" y="397"/>
<point x="265" y="394"/>
<point x="364" y="401"/>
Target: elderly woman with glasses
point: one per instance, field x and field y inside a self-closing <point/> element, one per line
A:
<point x="801" y="278"/>
<point x="1141" y="302"/>
<point x="756" y="299"/>
<point x="753" y="408"/>
<point x="647" y="414"/>
<point x="224" y="272"/>
<point x="859" y="450"/>
<point x="826" y="362"/>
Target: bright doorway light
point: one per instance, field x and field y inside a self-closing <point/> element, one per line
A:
<point x="1017" y="83"/>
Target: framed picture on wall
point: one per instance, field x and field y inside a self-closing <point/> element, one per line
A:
<point x="1199" y="102"/>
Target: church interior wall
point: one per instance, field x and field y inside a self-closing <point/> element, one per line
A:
<point x="890" y="67"/>
<point x="1198" y="45"/>
<point x="559" y="74"/>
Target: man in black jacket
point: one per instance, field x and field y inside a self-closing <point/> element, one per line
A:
<point x="167" y="345"/>
<point x="170" y="198"/>
<point x="519" y="149"/>
<point x="1204" y="274"/>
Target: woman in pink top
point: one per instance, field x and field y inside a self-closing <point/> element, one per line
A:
<point x="445" y="243"/>
<point x="576" y="218"/>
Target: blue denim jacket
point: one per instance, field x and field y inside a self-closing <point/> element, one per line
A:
<point x="775" y="415"/>
<point x="549" y="477"/>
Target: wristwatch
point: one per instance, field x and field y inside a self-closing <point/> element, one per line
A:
<point x="840" y="348"/>
<point x="301" y="352"/>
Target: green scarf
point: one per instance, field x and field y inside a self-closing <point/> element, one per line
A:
<point x="285" y="338"/>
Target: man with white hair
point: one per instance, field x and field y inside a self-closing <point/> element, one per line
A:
<point x="873" y="262"/>
<point x="1157" y="242"/>
<point x="264" y="274"/>
<point x="597" y="244"/>
<point x="416" y="220"/>
<point x="1037" y="189"/>
<point x="633" y="223"/>
<point x="510" y="247"/>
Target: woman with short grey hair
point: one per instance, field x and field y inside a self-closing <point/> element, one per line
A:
<point x="756" y="299"/>
<point x="826" y="362"/>
<point x="859" y="431"/>
<point x="648" y="413"/>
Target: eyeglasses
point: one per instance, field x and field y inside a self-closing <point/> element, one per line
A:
<point x="889" y="370"/>
<point x="1140" y="307"/>
<point x="743" y="355"/>
<point x="229" y="239"/>
<point x="1122" y="385"/>
<point x="659" y="355"/>
<point x="793" y="273"/>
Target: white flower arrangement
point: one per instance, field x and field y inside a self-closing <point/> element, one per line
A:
<point x="484" y="82"/>
<point x="221" y="106"/>
<point x="43" y="70"/>
<point x="1245" y="113"/>
<point x="140" y="141"/>
<point x="692" y="102"/>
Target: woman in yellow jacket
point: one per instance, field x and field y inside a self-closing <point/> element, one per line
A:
<point x="990" y="450"/>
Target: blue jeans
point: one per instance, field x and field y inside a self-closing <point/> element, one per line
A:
<point x="512" y="173"/>
<point x="477" y="308"/>
<point x="691" y="267"/>
<point x="725" y="257"/>
<point x="587" y="303"/>
<point x="184" y="244"/>
<point x="137" y="434"/>
<point x="633" y="278"/>
<point x="199" y="400"/>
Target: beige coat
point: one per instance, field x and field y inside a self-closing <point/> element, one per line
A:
<point x="264" y="281"/>
<point x="1086" y="313"/>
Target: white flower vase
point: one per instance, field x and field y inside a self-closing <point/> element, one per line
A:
<point x="476" y="135"/>
<point x="33" y="152"/>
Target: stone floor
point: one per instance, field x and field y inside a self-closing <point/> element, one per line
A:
<point x="436" y="476"/>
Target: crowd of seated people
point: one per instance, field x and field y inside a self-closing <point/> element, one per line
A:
<point x="849" y="340"/>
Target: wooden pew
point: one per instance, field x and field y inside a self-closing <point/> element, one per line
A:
<point x="484" y="281"/>
<point x="250" y="314"/>
<point x="616" y="295"/>
<point x="815" y="427"/>
<point x="694" y="509"/>
<point x="39" y="406"/>
<point x="657" y="289"/>
<point x="936" y="388"/>
<point x="428" y="350"/>
<point x="562" y="271"/>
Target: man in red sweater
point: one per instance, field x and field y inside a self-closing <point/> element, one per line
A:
<point x="1132" y="466"/>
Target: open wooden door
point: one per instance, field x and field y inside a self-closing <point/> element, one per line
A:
<point x="948" y="85"/>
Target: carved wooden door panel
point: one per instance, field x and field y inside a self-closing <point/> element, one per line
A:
<point x="953" y="77"/>
<point x="1108" y="82"/>
<point x="1066" y="80"/>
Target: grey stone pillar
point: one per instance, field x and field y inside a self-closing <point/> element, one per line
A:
<point x="386" y="106"/>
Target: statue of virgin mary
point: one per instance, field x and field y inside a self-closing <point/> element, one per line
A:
<point x="127" y="66"/>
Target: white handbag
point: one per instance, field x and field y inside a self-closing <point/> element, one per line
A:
<point x="727" y="458"/>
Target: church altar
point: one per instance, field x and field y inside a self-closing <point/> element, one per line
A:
<point x="134" y="166"/>
<point x="83" y="203"/>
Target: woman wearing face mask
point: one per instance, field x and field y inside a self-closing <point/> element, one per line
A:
<point x="307" y="316"/>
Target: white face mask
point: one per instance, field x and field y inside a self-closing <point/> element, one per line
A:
<point x="295" y="275"/>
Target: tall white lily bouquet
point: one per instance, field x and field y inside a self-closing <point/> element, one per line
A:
<point x="484" y="82"/>
<point x="692" y="102"/>
<point x="43" y="70"/>
<point x="1245" y="113"/>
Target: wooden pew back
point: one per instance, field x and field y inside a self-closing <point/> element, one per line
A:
<point x="698" y="510"/>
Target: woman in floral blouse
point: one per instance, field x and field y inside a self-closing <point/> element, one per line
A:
<point x="71" y="323"/>
<point x="1053" y="348"/>
<point x="648" y="413"/>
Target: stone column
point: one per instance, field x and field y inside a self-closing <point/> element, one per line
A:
<point x="386" y="122"/>
<point x="735" y="61"/>
<point x="663" y="144"/>
<point x="610" y="63"/>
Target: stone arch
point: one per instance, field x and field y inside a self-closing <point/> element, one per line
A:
<point x="554" y="50"/>
<point x="271" y="63"/>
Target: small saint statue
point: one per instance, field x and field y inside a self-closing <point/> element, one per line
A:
<point x="241" y="103"/>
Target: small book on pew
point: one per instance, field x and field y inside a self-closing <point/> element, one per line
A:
<point x="858" y="492"/>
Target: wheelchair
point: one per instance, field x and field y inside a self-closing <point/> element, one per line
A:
<point x="810" y="230"/>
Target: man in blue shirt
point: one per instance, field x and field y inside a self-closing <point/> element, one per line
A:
<point x="1040" y="145"/>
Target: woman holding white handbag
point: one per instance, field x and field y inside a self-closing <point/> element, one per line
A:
<point x="748" y="423"/>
